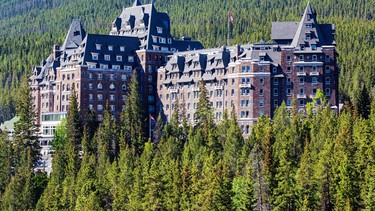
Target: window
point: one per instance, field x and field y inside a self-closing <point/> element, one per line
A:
<point x="154" y="39"/>
<point x="308" y="25"/>
<point x="115" y="67"/>
<point x="261" y="69"/>
<point x="94" y="56"/>
<point x="275" y="81"/>
<point x="288" y="92"/>
<point x="328" y="92"/>
<point x="313" y="92"/>
<point x="104" y="66"/>
<point x="288" y="81"/>
<point x="161" y="40"/>
<point x="159" y="30"/>
<point x="302" y="47"/>
<point x="112" y="97"/>
<point x="274" y="69"/>
<point x="314" y="80"/>
<point x="91" y="76"/>
<point x="301" y="81"/>
<point x="110" y="48"/>
<point x="131" y="59"/>
<point x="100" y="76"/>
<point x="275" y="92"/>
<point x="275" y="103"/>
<point x="288" y="69"/>
<point x="328" y="59"/>
<point x="328" y="80"/>
<point x="313" y="47"/>
<point x="100" y="107"/>
<point x="314" y="69"/>
<point x="301" y="58"/>
<point x="301" y="91"/>
<point x="91" y="107"/>
<point x="261" y="92"/>
<point x="261" y="103"/>
<point x="112" y="87"/>
<point x="112" y="77"/>
<point x="91" y="86"/>
<point x="100" y="97"/>
<point x="328" y="70"/>
<point x="100" y="86"/>
<point x="288" y="58"/>
<point x="301" y="103"/>
<point x="98" y="46"/>
<point x="91" y="97"/>
<point x="124" y="77"/>
<point x="308" y="36"/>
<point x="261" y="81"/>
<point x="119" y="58"/>
<point x="288" y="103"/>
<point x="123" y="87"/>
<point x="169" y="41"/>
<point x="122" y="48"/>
<point x="314" y="58"/>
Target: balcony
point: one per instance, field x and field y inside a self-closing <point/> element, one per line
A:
<point x="301" y="73"/>
<point x="245" y="85"/>
<point x="314" y="73"/>
<point x="301" y="96"/>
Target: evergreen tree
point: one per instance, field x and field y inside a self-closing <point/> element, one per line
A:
<point x="204" y="117"/>
<point x="364" y="103"/>
<point x="25" y="129"/>
<point x="243" y="190"/>
<point x="133" y="119"/>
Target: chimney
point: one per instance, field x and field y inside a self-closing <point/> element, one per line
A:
<point x="56" y="51"/>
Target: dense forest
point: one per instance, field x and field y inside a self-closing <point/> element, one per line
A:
<point x="28" y="30"/>
<point x="318" y="161"/>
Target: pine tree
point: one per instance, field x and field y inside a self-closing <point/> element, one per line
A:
<point x="153" y="186"/>
<point x="204" y="117"/>
<point x="364" y="103"/>
<point x="6" y="154"/>
<point x="243" y="190"/>
<point x="133" y="119"/>
<point x="158" y="130"/>
<point x="25" y="129"/>
<point x="306" y="186"/>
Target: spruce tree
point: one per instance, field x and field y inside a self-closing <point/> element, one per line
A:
<point x="25" y="129"/>
<point x="133" y="119"/>
<point x="204" y="116"/>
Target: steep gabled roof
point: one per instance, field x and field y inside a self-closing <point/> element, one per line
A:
<point x="309" y="17"/>
<point x="75" y="35"/>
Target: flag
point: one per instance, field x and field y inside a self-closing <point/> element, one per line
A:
<point x="152" y="118"/>
<point x="230" y="17"/>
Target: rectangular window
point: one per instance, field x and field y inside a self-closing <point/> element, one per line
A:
<point x="159" y="30"/>
<point x="261" y="103"/>
<point x="328" y="92"/>
<point x="274" y="69"/>
<point x="275" y="92"/>
<point x="122" y="48"/>
<point x="94" y="56"/>
<point x="112" y="97"/>
<point x="110" y="48"/>
<point x="261" y="69"/>
<point x="169" y="41"/>
<point x="288" y="92"/>
<point x="261" y="92"/>
<point x="314" y="58"/>
<point x="328" y="80"/>
<point x="288" y="69"/>
<point x="288" y="81"/>
<point x="314" y="80"/>
<point x="119" y="58"/>
<point x="112" y="77"/>
<point x="301" y="81"/>
<point x="327" y="58"/>
<point x="288" y="58"/>
<point x="131" y="59"/>
<point x="301" y="58"/>
<point x="288" y="103"/>
<point x="313" y="47"/>
<point x="301" y="103"/>
<point x="98" y="47"/>
<point x="328" y="70"/>
<point x="100" y="76"/>
<point x="275" y="103"/>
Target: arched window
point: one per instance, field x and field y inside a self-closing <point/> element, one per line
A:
<point x="68" y="87"/>
<point x="100" y="86"/>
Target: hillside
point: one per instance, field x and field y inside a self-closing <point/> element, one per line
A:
<point x="28" y="29"/>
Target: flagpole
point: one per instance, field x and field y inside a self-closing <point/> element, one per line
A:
<point x="228" y="30"/>
<point x="149" y="123"/>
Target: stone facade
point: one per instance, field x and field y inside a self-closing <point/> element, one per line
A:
<point x="255" y="79"/>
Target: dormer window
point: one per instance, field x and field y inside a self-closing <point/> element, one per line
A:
<point x="308" y="25"/>
<point x="122" y="48"/>
<point x="308" y="36"/>
<point x="131" y="59"/>
<point x="313" y="47"/>
<point x="161" y="40"/>
<point x="107" y="57"/>
<point x="262" y="58"/>
<point x="110" y="48"/>
<point x="302" y="47"/>
<point x="169" y="40"/>
<point x="159" y="30"/>
<point x="154" y="39"/>
<point x="98" y="47"/>
<point x="119" y="58"/>
<point x="94" y="56"/>
<point x="301" y="58"/>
